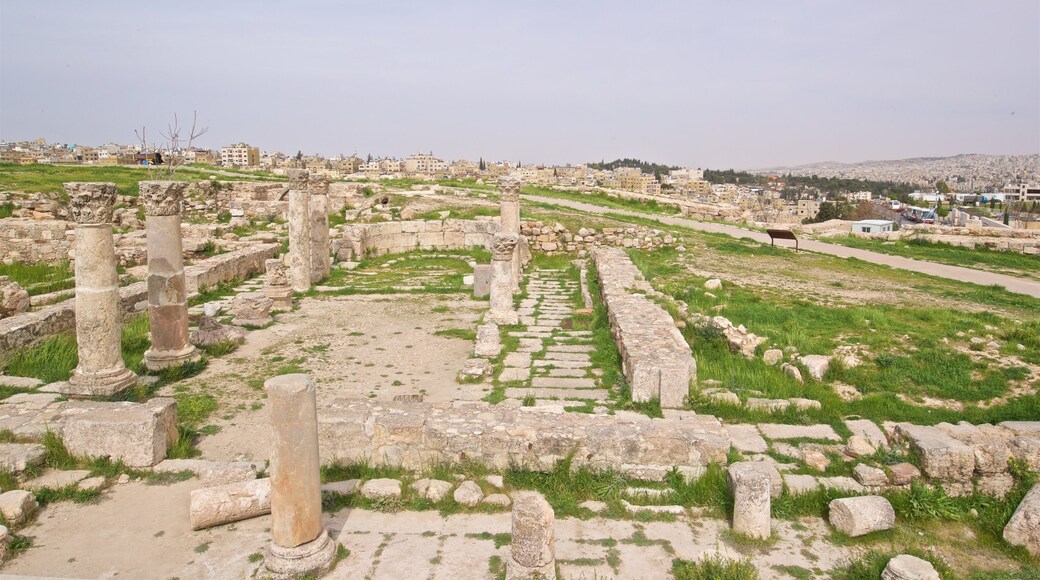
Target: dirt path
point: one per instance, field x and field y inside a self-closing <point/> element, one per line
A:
<point x="1011" y="283"/>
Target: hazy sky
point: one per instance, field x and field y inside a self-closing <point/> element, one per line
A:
<point x="726" y="83"/>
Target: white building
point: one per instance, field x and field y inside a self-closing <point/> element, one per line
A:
<point x="872" y="226"/>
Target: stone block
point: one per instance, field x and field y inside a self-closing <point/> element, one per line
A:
<point x="1023" y="529"/>
<point x="16" y="457"/>
<point x="213" y="506"/>
<point x="907" y="567"/>
<point x="468" y="493"/>
<point x="432" y="489"/>
<point x="768" y="469"/>
<point x="859" y="516"/>
<point x="870" y="476"/>
<point x="139" y="434"/>
<point x="381" y="488"/>
<point x="17" y="505"/>
<point x="942" y="457"/>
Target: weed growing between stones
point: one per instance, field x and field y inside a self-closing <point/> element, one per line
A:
<point x="715" y="567"/>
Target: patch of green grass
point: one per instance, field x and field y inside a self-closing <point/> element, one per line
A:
<point x="40" y="278"/>
<point x="980" y="257"/>
<point x="6" y="210"/>
<point x="193" y="409"/>
<point x="467" y="334"/>
<point x="48" y="495"/>
<point x="715" y="567"/>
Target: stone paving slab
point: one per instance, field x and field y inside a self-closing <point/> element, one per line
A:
<point x="567" y="372"/>
<point x="568" y="356"/>
<point x="515" y="374"/>
<point x="563" y="383"/>
<point x="781" y="431"/>
<point x="747" y="438"/>
<point x="563" y="364"/>
<point x="571" y="348"/>
<point x="517" y="359"/>
<point x="559" y="393"/>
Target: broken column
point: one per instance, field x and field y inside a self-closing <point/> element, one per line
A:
<point x="300" y="544"/>
<point x="321" y="259"/>
<point x="533" y="553"/>
<point x="751" y="501"/>
<point x="167" y="297"/>
<point x="276" y="284"/>
<point x="503" y="248"/>
<point x="299" y="231"/>
<point x="101" y="371"/>
<point x="509" y="191"/>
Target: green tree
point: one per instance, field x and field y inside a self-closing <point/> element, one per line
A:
<point x="482" y="166"/>
<point x="942" y="187"/>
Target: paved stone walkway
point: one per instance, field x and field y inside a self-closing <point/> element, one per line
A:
<point x="552" y="362"/>
<point x="1011" y="283"/>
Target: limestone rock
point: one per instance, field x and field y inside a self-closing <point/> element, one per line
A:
<point x="381" y="488"/>
<point x="773" y="356"/>
<point x="816" y="364"/>
<point x="13" y="298"/>
<point x="815" y="459"/>
<point x="859" y="516"/>
<point x="475" y="368"/>
<point x="499" y="499"/>
<point x="251" y="309"/>
<point x="495" y="480"/>
<point x="210" y="332"/>
<point x="345" y="487"/>
<point x="792" y="371"/>
<point x="533" y="549"/>
<point x="16" y="457"/>
<point x="870" y="476"/>
<point x="468" y="493"/>
<point x="92" y="483"/>
<point x="907" y="567"/>
<point x="1023" y="529"/>
<point x="17" y="505"/>
<point x="904" y="473"/>
<point x="136" y="433"/>
<point x="57" y="479"/>
<point x="858" y="446"/>
<point x="432" y="489"/>
<point x="942" y="457"/>
<point x="713" y="284"/>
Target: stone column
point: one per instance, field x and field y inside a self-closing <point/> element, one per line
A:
<point x="101" y="371"/>
<point x="300" y="544"/>
<point x="299" y="231"/>
<point x="509" y="191"/>
<point x="533" y="553"/>
<point x="321" y="260"/>
<point x="751" y="502"/>
<point x="167" y="297"/>
<point x="276" y="284"/>
<point x="503" y="248"/>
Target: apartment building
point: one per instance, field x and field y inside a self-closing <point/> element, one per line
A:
<point x="426" y="164"/>
<point x="240" y="155"/>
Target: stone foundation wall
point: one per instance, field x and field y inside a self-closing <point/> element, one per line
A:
<point x="375" y="239"/>
<point x="24" y="329"/>
<point x="30" y="241"/>
<point x="417" y="435"/>
<point x="657" y="361"/>
<point x="557" y="239"/>
<point x="261" y="199"/>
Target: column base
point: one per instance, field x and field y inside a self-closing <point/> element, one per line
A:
<point x="503" y="318"/>
<point x="155" y="360"/>
<point x="280" y="295"/>
<point x="516" y="571"/>
<point x="314" y="556"/>
<point x="104" y="383"/>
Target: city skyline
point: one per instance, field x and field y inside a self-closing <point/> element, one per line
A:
<point x="708" y="85"/>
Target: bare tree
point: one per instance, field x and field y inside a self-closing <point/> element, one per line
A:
<point x="172" y="142"/>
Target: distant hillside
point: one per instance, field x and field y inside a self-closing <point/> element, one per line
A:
<point x="645" y="166"/>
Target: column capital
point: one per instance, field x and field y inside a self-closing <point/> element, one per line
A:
<point x="91" y="203"/>
<point x="162" y="197"/>
<point x="503" y="245"/>
<point x="509" y="189"/>
<point x="318" y="185"/>
<point x="298" y="178"/>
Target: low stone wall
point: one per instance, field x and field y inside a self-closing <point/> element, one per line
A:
<point x="657" y="361"/>
<point x="557" y="239"/>
<point x="25" y="329"/>
<point x="417" y="435"/>
<point x="375" y="239"/>
<point x="30" y="241"/>
<point x="261" y="199"/>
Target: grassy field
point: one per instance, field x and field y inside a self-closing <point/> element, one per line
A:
<point x="604" y="200"/>
<point x="980" y="258"/>
<point x="46" y="178"/>
<point x="908" y="351"/>
<point x="414" y="272"/>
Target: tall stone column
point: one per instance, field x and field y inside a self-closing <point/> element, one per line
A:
<point x="321" y="259"/>
<point x="299" y="231"/>
<point x="167" y="296"/>
<point x="300" y="544"/>
<point x="509" y="192"/>
<point x="101" y="371"/>
<point x="503" y="248"/>
<point x="533" y="551"/>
